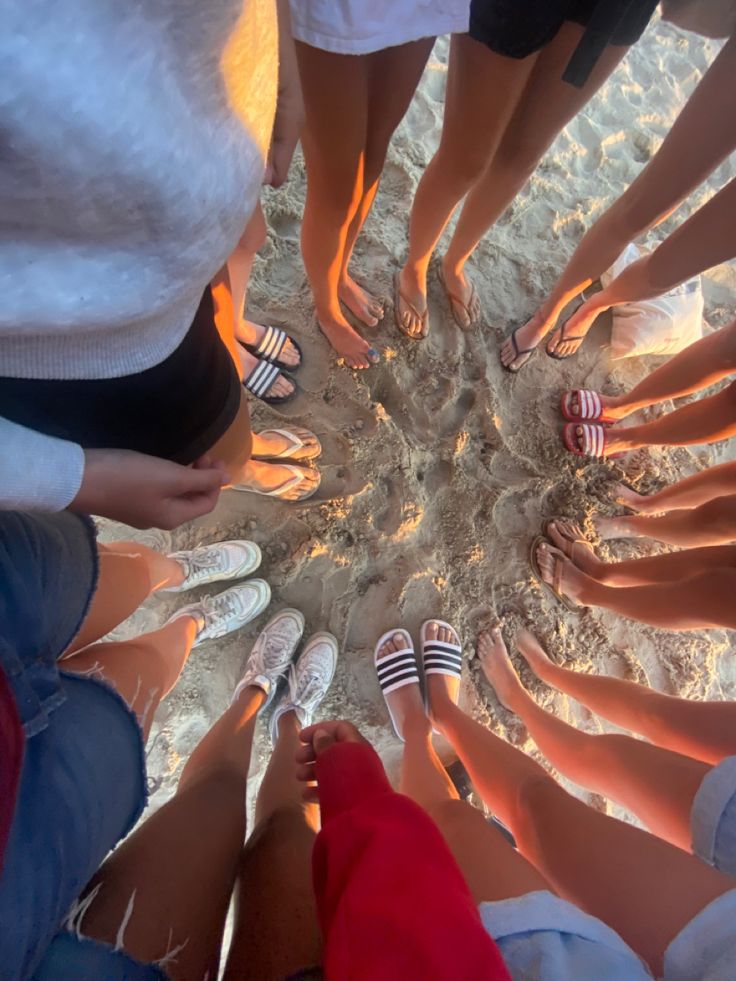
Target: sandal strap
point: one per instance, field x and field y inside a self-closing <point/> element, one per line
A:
<point x="442" y="658"/>
<point x="271" y="344"/>
<point x="260" y="380"/>
<point x="517" y="350"/>
<point x="396" y="670"/>
<point x="594" y="440"/>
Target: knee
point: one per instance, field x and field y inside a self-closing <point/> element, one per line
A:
<point x="536" y="797"/>
<point x="454" y="818"/>
<point x="719" y="516"/>
<point x="518" y="157"/>
<point x="280" y="833"/>
<point x="256" y="232"/>
<point x="460" y="171"/>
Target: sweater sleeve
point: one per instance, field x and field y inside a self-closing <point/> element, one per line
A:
<point x="391" y="900"/>
<point x="37" y="472"/>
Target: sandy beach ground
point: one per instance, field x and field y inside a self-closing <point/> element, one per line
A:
<point x="439" y="467"/>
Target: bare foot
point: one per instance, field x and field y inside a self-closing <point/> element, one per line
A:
<point x="406" y="703"/>
<point x="270" y="444"/>
<point x="632" y="500"/>
<point x="527" y="338"/>
<point x="618" y="527"/>
<point x="347" y="342"/>
<point x="611" y="410"/>
<point x="568" y="338"/>
<point x="266" y="477"/>
<point x="569" y="538"/>
<point x="441" y="687"/>
<point x="281" y="387"/>
<point x="499" y="672"/>
<point x="251" y="333"/>
<point x="573" y="581"/>
<point x="462" y="295"/>
<point x="359" y="302"/>
<point x="412" y="300"/>
<point x="533" y="653"/>
<point x="615" y="440"/>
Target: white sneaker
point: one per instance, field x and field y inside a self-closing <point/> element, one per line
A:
<point x="227" y="611"/>
<point x="309" y="680"/>
<point x="212" y="563"/>
<point x="272" y="653"/>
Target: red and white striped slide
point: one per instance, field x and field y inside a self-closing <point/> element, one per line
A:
<point x="590" y="407"/>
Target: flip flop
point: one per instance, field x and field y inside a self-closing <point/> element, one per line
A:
<point x="518" y="353"/>
<point x="298" y="476"/>
<point x="440" y="657"/>
<point x="594" y="441"/>
<point x="395" y="670"/>
<point x="423" y="317"/>
<point x="563" y="338"/>
<point x="270" y="347"/>
<point x="554" y="589"/>
<point x="455" y="299"/>
<point x="262" y="378"/>
<point x="295" y="443"/>
<point x="572" y="542"/>
<point x="589" y="405"/>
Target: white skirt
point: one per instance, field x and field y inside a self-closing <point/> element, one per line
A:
<point x="362" y="26"/>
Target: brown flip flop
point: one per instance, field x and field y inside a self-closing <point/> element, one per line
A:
<point x="570" y="541"/>
<point x="423" y="317"/>
<point x="455" y="299"/>
<point x="554" y="589"/>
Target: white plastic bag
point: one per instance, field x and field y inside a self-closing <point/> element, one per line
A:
<point x="664" y="325"/>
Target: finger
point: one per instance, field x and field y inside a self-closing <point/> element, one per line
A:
<point x="305" y="773"/>
<point x="305" y="754"/>
<point x="198" y="480"/>
<point x="322" y="741"/>
<point x="306" y="735"/>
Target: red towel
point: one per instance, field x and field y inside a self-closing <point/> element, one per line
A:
<point x="392" y="902"/>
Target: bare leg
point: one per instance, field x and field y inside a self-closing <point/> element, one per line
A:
<point x="128" y="574"/>
<point x="713" y="523"/>
<point x="483" y="90"/>
<point x="651" y="569"/>
<point x="696" y="144"/>
<point x="703" y="241"/>
<point x="654" y="783"/>
<point x="702" y="730"/>
<point x="335" y="91"/>
<point x="700" y="365"/>
<point x="706" y="421"/>
<point x="142" y="670"/>
<point x="276" y="931"/>
<point x="491" y="866"/>
<point x="719" y="481"/>
<point x="393" y="75"/>
<point x="704" y="600"/>
<point x="174" y="875"/>
<point x="611" y="869"/>
<point x="547" y="104"/>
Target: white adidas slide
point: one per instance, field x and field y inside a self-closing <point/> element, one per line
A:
<point x="395" y="670"/>
<point x="441" y="657"/>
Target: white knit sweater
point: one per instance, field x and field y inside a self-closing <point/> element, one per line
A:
<point x="133" y="142"/>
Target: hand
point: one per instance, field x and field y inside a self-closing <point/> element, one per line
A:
<point x="317" y="739"/>
<point x="289" y="119"/>
<point x="145" y="491"/>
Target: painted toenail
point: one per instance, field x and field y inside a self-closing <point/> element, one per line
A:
<point x="373" y="355"/>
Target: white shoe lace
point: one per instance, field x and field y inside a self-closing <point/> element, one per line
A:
<point x="308" y="686"/>
<point x="220" y="611"/>
<point x="202" y="562"/>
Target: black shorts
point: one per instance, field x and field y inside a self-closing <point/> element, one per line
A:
<point x="176" y="410"/>
<point x="518" y="28"/>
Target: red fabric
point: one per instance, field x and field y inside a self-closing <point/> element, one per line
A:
<point x="12" y="743"/>
<point x="391" y="900"/>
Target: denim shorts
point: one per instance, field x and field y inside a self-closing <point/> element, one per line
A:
<point x="713" y="817"/>
<point x="83" y="784"/>
<point x="544" y="937"/>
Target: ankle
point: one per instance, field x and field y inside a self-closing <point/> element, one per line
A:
<point x="453" y="266"/>
<point x="441" y="707"/>
<point x="415" y="725"/>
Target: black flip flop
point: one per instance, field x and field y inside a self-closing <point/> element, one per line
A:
<point x="563" y="339"/>
<point x="270" y="347"/>
<point x="262" y="378"/>
<point x="518" y="353"/>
